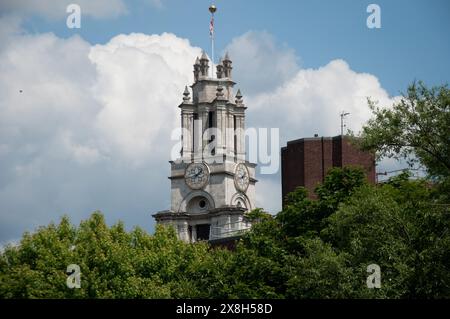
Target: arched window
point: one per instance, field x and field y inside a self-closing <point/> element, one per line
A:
<point x="198" y="205"/>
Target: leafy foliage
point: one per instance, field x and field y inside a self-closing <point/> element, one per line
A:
<point x="312" y="249"/>
<point x="114" y="263"/>
<point x="417" y="128"/>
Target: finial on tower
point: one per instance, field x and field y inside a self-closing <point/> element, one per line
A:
<point x="227" y="66"/>
<point x="239" y="100"/>
<point x="212" y="9"/>
<point x="204" y="64"/>
<point x="220" y="69"/>
<point x="219" y="93"/>
<point x="186" y="95"/>
<point x="196" y="69"/>
<point x="204" y="57"/>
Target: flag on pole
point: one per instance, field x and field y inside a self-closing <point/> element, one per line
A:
<point x="211" y="27"/>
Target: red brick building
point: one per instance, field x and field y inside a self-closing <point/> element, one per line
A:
<point x="305" y="162"/>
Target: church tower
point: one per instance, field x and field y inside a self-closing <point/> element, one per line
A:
<point x="212" y="184"/>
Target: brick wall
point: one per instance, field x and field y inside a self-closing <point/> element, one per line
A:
<point x="306" y="161"/>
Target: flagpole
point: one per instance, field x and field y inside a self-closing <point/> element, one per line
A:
<point x="212" y="56"/>
<point x="212" y="9"/>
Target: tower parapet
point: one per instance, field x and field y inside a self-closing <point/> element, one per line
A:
<point x="204" y="87"/>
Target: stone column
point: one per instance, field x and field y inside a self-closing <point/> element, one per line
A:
<point x="240" y="123"/>
<point x="197" y="140"/>
<point x="228" y="227"/>
<point x="194" y="233"/>
<point x="240" y="224"/>
<point x="204" y="116"/>
<point x="187" y="135"/>
<point x="230" y="135"/>
<point x="183" y="231"/>
<point x="221" y="125"/>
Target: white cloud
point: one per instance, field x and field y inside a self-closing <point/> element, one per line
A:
<point x="310" y="102"/>
<point x="10" y="26"/>
<point x="138" y="78"/>
<point x="55" y="9"/>
<point x="83" y="154"/>
<point x="87" y="127"/>
<point x="261" y="64"/>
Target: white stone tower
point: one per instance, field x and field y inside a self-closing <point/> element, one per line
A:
<point x="212" y="185"/>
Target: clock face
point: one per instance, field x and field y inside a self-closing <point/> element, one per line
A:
<point x="241" y="177"/>
<point x="196" y="175"/>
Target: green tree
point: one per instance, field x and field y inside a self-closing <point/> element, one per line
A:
<point x="114" y="263"/>
<point x="311" y="249"/>
<point x="417" y="128"/>
<point x="397" y="227"/>
<point x="302" y="216"/>
<point x="319" y="273"/>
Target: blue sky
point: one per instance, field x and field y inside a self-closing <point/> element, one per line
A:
<point x="411" y="44"/>
<point x="86" y="114"/>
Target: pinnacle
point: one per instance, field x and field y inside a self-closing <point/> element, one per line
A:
<point x="204" y="56"/>
<point x="186" y="94"/>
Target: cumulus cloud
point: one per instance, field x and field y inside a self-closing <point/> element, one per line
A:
<point x="87" y="127"/>
<point x="260" y="63"/>
<point x="138" y="81"/>
<point x="55" y="9"/>
<point x="310" y="102"/>
<point x="10" y="26"/>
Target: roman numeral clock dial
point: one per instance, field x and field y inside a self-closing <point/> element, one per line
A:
<point x="241" y="177"/>
<point x="197" y="175"/>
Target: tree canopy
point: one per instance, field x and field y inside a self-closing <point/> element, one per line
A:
<point x="417" y="128"/>
<point x="311" y="249"/>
